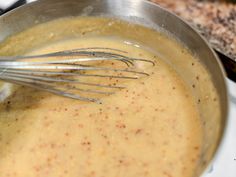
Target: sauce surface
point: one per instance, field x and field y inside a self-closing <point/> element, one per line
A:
<point x="150" y="129"/>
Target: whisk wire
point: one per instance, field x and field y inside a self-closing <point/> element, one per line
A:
<point x="62" y="72"/>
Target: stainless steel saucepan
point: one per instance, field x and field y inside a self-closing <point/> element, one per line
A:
<point x="148" y="14"/>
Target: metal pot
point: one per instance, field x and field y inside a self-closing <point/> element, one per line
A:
<point x="152" y="16"/>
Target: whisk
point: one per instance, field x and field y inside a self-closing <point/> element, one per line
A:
<point x="74" y="73"/>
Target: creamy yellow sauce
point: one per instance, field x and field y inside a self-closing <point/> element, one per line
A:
<point x="151" y="128"/>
